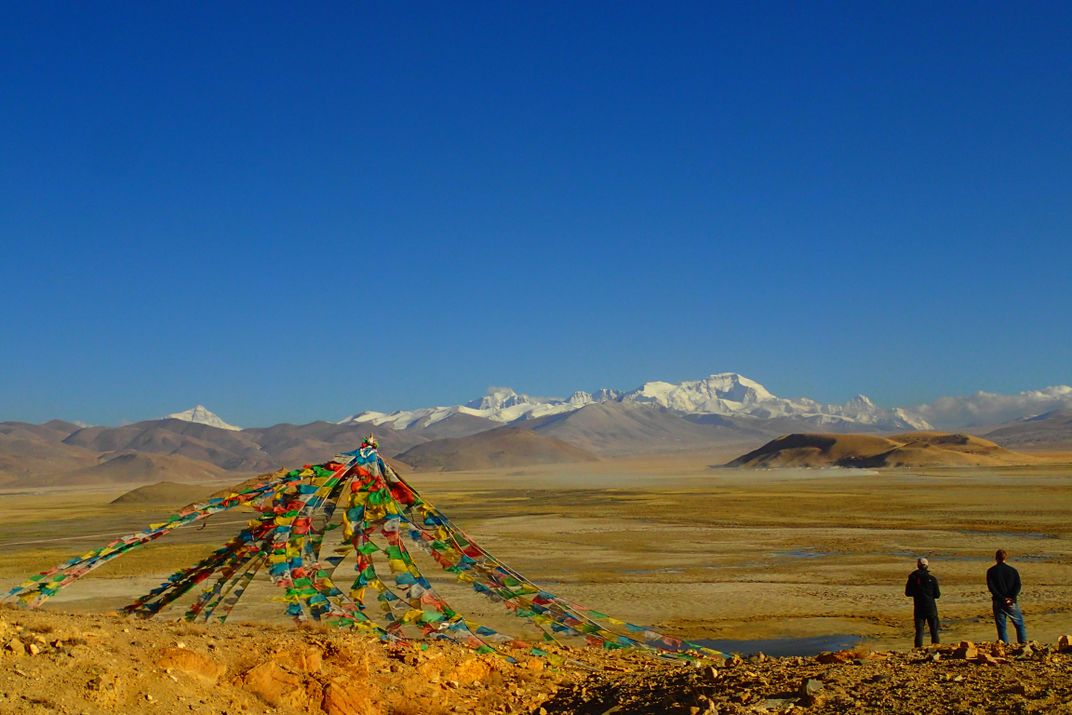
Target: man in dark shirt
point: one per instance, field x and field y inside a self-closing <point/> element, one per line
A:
<point x="1004" y="584"/>
<point x="922" y="586"/>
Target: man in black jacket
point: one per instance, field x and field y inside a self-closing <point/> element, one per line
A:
<point x="922" y="586"/>
<point x="1004" y="584"/>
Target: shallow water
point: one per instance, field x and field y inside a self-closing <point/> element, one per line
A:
<point x="784" y="646"/>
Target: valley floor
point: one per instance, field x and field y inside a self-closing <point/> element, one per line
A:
<point x="698" y="552"/>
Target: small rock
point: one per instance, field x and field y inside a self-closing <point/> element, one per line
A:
<point x="840" y="656"/>
<point x="710" y="673"/>
<point x="966" y="650"/>
<point x="33" y="649"/>
<point x="809" y="686"/>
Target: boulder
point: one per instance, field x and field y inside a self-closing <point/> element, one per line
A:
<point x="470" y="670"/>
<point x="344" y="696"/>
<point x="306" y="659"/>
<point x="1064" y="644"/>
<point x="275" y="685"/>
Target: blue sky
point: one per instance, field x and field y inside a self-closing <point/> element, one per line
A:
<point x="289" y="213"/>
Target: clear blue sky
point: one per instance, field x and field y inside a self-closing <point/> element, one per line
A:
<point x="290" y="212"/>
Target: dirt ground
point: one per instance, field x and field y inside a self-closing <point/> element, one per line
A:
<point x="696" y="551"/>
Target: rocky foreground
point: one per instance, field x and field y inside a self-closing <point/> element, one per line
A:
<point x="59" y="663"/>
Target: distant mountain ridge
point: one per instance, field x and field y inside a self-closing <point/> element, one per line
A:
<point x="726" y="393"/>
<point x="723" y="410"/>
<point x="1050" y="430"/>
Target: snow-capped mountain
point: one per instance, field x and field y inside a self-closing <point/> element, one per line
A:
<point x="201" y="415"/>
<point x="730" y="394"/>
<point x="726" y="393"/>
<point x="500" y="404"/>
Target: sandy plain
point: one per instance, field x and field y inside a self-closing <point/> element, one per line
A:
<point x="696" y="551"/>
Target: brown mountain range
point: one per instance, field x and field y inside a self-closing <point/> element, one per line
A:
<point x="1050" y="430"/>
<point x="615" y="429"/>
<point x="59" y="452"/>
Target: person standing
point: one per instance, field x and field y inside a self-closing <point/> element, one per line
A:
<point x="1004" y="584"/>
<point x="922" y="586"/>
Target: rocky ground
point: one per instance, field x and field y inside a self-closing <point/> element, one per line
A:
<point x="964" y="678"/>
<point x="60" y="663"/>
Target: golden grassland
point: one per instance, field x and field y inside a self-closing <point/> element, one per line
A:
<point x="696" y="550"/>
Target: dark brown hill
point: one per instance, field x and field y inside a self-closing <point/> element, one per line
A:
<point x="170" y="493"/>
<point x="502" y="447"/>
<point x="912" y="449"/>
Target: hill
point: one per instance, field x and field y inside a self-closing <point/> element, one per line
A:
<point x="135" y="468"/>
<point x="29" y="449"/>
<point x="1050" y="430"/>
<point x="169" y="493"/>
<point x="502" y="447"/>
<point x="616" y="428"/>
<point x="912" y="449"/>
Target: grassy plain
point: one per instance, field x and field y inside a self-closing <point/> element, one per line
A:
<point x="700" y="552"/>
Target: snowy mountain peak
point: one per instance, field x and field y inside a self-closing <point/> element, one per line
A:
<point x="201" y="415"/>
<point x="580" y="398"/>
<point x="498" y="398"/>
<point x="733" y="386"/>
<point x="861" y="402"/>
<point x="720" y="393"/>
<point x="606" y="394"/>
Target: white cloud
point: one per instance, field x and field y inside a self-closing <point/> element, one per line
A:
<point x="989" y="408"/>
